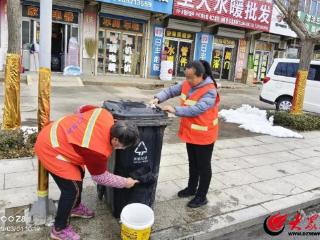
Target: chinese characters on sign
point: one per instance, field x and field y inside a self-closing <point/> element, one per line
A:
<point x="179" y="34"/>
<point x="251" y="14"/>
<point x="156" y="50"/>
<point x="241" y="61"/>
<point x="121" y="24"/>
<point x="57" y="15"/>
<point x="312" y="22"/>
<point x="203" y="44"/>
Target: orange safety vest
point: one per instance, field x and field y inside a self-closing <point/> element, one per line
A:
<point x="202" y="129"/>
<point x="90" y="130"/>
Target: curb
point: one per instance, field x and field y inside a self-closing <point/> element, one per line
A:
<point x="219" y="225"/>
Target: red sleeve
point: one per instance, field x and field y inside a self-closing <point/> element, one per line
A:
<point x="95" y="162"/>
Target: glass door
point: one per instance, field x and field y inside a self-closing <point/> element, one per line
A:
<point x="112" y="52"/>
<point x="227" y="63"/>
<point x="172" y="46"/>
<point x="217" y="61"/>
<point x="260" y="64"/>
<point x="128" y="58"/>
<point x="183" y="57"/>
<point x="101" y="51"/>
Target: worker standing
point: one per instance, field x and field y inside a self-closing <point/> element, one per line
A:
<point x="198" y="126"/>
<point x="66" y="146"/>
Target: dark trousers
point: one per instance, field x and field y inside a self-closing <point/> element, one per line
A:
<point x="70" y="198"/>
<point x="200" y="172"/>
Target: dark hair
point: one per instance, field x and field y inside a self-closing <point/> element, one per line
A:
<point x="203" y="68"/>
<point x="126" y="132"/>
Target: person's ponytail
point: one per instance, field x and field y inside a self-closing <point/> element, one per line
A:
<point x="208" y="72"/>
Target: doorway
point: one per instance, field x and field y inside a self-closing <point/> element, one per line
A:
<point x="179" y="52"/>
<point x="260" y="64"/>
<point x="223" y="59"/>
<point x="58" y="47"/>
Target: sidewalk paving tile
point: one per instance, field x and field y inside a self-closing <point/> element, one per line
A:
<point x="232" y="164"/>
<point x="167" y="191"/>
<point x="12" y="165"/>
<point x="170" y="173"/>
<point x="311" y="134"/>
<point x="1" y="181"/>
<point x="305" y="181"/>
<point x="270" y="158"/>
<point x="254" y="150"/>
<point x="265" y="172"/>
<point x="307" y="152"/>
<point x="268" y="139"/>
<point x="247" y="195"/>
<point x="291" y="167"/>
<point x="216" y="184"/>
<point x="313" y="162"/>
<point x="236" y="178"/>
<point x="173" y="148"/>
<point x="229" y="153"/>
<point x="288" y="202"/>
<point x="172" y="159"/>
<point x="215" y="168"/>
<point x="278" y="188"/>
<point x="275" y="147"/>
<point x="293" y="145"/>
<point x="226" y="144"/>
<point x="247" y="142"/>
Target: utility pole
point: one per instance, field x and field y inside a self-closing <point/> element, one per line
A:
<point x="43" y="208"/>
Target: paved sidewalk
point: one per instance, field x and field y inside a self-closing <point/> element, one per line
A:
<point x="252" y="178"/>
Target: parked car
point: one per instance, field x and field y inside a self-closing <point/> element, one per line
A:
<point x="279" y="84"/>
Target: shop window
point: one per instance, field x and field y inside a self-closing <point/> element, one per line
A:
<point x="314" y="73"/>
<point x="25" y="32"/>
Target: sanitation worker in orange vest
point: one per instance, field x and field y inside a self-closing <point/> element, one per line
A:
<point x="198" y="127"/>
<point x="66" y="146"/>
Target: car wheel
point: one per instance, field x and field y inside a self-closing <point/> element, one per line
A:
<point x="284" y="104"/>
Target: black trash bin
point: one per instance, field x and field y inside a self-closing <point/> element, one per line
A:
<point x="140" y="162"/>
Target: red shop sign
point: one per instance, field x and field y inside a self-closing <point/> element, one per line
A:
<point x="252" y="14"/>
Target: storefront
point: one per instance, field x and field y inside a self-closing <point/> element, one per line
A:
<point x="65" y="26"/>
<point x="262" y="58"/>
<point x="224" y="57"/>
<point x="179" y="46"/>
<point x="125" y="35"/>
<point x="121" y="45"/>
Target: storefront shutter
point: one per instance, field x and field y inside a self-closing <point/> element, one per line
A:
<point x="125" y="11"/>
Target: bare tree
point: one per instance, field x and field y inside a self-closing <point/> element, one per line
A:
<point x="308" y="40"/>
<point x="14" y="23"/>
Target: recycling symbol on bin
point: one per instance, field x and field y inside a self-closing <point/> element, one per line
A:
<point x="141" y="149"/>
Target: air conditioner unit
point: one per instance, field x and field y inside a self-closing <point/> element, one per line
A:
<point x="283" y="45"/>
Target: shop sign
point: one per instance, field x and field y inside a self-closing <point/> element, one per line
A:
<point x="241" y="60"/>
<point x="156" y="50"/>
<point x="203" y="47"/>
<point x="161" y="6"/>
<point x="179" y="34"/>
<point x="121" y="24"/>
<point x="225" y="41"/>
<point x="57" y="15"/>
<point x="252" y="14"/>
<point x="278" y="25"/>
<point x="312" y="22"/>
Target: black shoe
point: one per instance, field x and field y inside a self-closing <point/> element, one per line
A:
<point x="186" y="193"/>
<point x="197" y="202"/>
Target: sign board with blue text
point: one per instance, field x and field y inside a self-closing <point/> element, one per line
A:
<point x="161" y="6"/>
<point x="203" y="47"/>
<point x="158" y="35"/>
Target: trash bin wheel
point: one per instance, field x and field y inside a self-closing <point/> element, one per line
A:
<point x="101" y="191"/>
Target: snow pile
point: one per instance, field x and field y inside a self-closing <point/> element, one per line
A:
<point x="29" y="130"/>
<point x="255" y="120"/>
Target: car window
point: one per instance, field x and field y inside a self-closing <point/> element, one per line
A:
<point x="314" y="73"/>
<point x="287" y="69"/>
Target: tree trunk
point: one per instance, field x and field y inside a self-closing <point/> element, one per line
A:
<point x="307" y="48"/>
<point x="14" y="26"/>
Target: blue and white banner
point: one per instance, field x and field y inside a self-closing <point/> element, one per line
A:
<point x="158" y="34"/>
<point x="203" y="47"/>
<point x="161" y="6"/>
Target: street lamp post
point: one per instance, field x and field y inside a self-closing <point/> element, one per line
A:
<point x="43" y="208"/>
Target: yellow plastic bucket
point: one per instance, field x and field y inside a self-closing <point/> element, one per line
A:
<point x="136" y="222"/>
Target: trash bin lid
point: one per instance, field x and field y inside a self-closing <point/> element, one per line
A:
<point x="127" y="110"/>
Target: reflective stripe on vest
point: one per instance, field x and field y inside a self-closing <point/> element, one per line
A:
<point x="53" y="134"/>
<point x="183" y="96"/>
<point x="190" y="102"/>
<point x="89" y="130"/>
<point x="203" y="128"/>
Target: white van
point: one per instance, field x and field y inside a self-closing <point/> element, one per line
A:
<point x="278" y="85"/>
